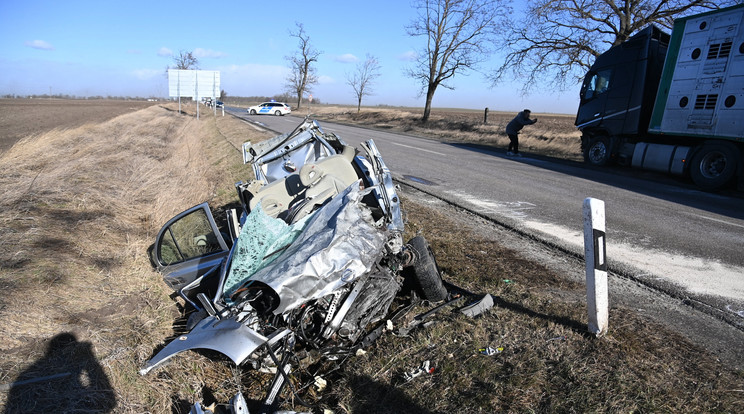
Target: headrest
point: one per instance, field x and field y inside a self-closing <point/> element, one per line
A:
<point x="310" y="174"/>
<point x="348" y="152"/>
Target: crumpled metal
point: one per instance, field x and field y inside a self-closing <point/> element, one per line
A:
<point x="261" y="240"/>
<point x="339" y="244"/>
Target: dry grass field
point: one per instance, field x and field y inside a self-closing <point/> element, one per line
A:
<point x="20" y="118"/>
<point x="554" y="135"/>
<point x="82" y="309"/>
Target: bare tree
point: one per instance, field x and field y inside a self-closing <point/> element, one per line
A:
<point x="362" y="78"/>
<point x="458" y="35"/>
<point x="186" y="60"/>
<point x="560" y="39"/>
<point x="302" y="72"/>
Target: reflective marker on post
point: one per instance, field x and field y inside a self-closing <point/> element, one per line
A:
<point x="596" y="266"/>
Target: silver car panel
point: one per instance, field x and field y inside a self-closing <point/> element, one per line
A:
<point x="227" y="336"/>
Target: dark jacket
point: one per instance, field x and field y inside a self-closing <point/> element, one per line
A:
<point x="518" y="123"/>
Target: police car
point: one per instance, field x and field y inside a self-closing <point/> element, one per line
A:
<point x="272" y="108"/>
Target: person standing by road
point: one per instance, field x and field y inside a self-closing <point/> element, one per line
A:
<point x="513" y="128"/>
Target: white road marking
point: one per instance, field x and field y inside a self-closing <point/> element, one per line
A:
<point x="698" y="275"/>
<point x="716" y="220"/>
<point x="419" y="149"/>
<point x="516" y="209"/>
<point x="254" y="126"/>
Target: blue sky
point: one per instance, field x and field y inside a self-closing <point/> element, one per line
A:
<point x="88" y="48"/>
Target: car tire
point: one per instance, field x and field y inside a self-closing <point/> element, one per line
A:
<point x="278" y="113"/>
<point x="426" y="273"/>
<point x="253" y="112"/>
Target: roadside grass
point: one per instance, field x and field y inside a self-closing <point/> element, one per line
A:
<point x="549" y="363"/>
<point x="79" y="208"/>
<point x="554" y="135"/>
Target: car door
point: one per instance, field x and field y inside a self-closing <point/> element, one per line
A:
<point x="188" y="246"/>
<point x="265" y="108"/>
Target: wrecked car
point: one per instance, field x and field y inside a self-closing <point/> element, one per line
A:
<point x="307" y="268"/>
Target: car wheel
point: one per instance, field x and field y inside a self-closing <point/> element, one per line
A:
<point x="278" y="113"/>
<point x="253" y="112"/>
<point x="714" y="166"/>
<point x="598" y="151"/>
<point x="426" y="272"/>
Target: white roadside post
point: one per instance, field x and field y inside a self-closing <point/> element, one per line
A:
<point x="596" y="266"/>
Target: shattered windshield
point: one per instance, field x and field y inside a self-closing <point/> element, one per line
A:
<point x="261" y="241"/>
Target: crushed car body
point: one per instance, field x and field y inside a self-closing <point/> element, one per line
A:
<point x="310" y="265"/>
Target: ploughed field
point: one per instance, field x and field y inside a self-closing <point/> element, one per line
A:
<point x="20" y="118"/>
<point x="86" y="188"/>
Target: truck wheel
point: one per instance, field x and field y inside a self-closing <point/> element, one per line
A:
<point x="426" y="271"/>
<point x="714" y="166"/>
<point x="598" y="151"/>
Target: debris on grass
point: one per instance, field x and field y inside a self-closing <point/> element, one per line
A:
<point x="425" y="368"/>
<point x="489" y="351"/>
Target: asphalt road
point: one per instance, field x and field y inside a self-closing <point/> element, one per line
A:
<point x="660" y="230"/>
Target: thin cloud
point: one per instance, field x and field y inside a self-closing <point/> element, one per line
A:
<point x="346" y="58"/>
<point x="208" y="53"/>
<point x="146" y="74"/>
<point x="408" y="56"/>
<point x="254" y="79"/>
<point x="165" y="52"/>
<point x="326" y="80"/>
<point x="39" y="44"/>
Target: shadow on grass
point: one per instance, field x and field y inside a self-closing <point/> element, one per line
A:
<point x="182" y="112"/>
<point x="560" y="320"/>
<point x="68" y="378"/>
<point x="371" y="396"/>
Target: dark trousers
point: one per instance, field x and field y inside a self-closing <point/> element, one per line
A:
<point x="513" y="143"/>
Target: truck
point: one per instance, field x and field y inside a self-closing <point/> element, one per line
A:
<point x="671" y="103"/>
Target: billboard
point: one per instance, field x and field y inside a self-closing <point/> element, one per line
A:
<point x="193" y="83"/>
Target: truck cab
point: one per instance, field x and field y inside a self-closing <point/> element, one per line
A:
<point x="618" y="93"/>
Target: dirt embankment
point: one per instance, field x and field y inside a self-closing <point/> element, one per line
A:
<point x="83" y="309"/>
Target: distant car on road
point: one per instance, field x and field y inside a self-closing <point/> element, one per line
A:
<point x="273" y="108"/>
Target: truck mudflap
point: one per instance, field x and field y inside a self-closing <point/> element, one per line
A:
<point x="227" y="336"/>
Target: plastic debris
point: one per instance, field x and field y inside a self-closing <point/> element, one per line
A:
<point x="557" y="338"/>
<point x="507" y="281"/>
<point x="360" y="352"/>
<point x="425" y="368"/>
<point x="477" y="308"/>
<point x="320" y="383"/>
<point x="490" y="351"/>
